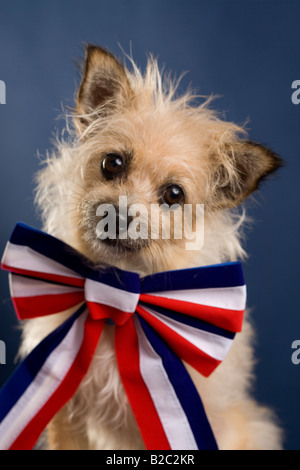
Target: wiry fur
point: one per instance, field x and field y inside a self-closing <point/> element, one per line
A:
<point x="168" y="138"/>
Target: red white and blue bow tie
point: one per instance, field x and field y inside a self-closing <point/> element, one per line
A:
<point x="188" y="315"/>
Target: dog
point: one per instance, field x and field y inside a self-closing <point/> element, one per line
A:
<point x="134" y="136"/>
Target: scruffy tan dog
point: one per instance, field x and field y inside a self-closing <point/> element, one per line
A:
<point x="134" y="137"/>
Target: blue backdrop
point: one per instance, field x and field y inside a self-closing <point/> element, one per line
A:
<point x="245" y="51"/>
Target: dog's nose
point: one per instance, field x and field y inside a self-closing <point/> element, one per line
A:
<point x="114" y="230"/>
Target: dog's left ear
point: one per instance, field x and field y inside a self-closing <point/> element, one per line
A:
<point x="104" y="85"/>
<point x="245" y="166"/>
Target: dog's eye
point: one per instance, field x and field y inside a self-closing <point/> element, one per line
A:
<point x="112" y="165"/>
<point x="173" y="195"/>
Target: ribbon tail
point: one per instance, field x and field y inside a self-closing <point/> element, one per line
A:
<point x="143" y="407"/>
<point x="46" y="380"/>
<point x="178" y="403"/>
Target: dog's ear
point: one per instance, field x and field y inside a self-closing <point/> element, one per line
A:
<point x="104" y="84"/>
<point x="245" y="166"/>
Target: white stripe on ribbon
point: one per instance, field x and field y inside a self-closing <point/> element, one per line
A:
<point x="212" y="344"/>
<point x="44" y="384"/>
<point x="24" y="257"/>
<point x="102" y="293"/>
<point x="21" y="286"/>
<point x="231" y="298"/>
<point x="168" y="407"/>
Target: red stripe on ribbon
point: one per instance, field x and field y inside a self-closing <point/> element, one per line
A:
<point x="60" y="279"/>
<point x="127" y="351"/>
<point x="197" y="358"/>
<point x="103" y="312"/>
<point x="30" y="434"/>
<point x="42" y="305"/>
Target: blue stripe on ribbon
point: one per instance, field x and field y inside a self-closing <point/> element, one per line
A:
<point x="219" y="275"/>
<point x="185" y="390"/>
<point x="189" y="320"/>
<point x="64" y="254"/>
<point x="25" y="373"/>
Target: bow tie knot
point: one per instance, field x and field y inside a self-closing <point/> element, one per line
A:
<point x="106" y="302"/>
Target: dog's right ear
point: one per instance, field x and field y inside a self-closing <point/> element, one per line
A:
<point x="104" y="85"/>
<point x="245" y="165"/>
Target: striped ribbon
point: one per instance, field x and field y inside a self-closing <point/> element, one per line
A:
<point x="188" y="315"/>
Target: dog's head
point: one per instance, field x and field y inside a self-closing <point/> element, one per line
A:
<point x="143" y="158"/>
